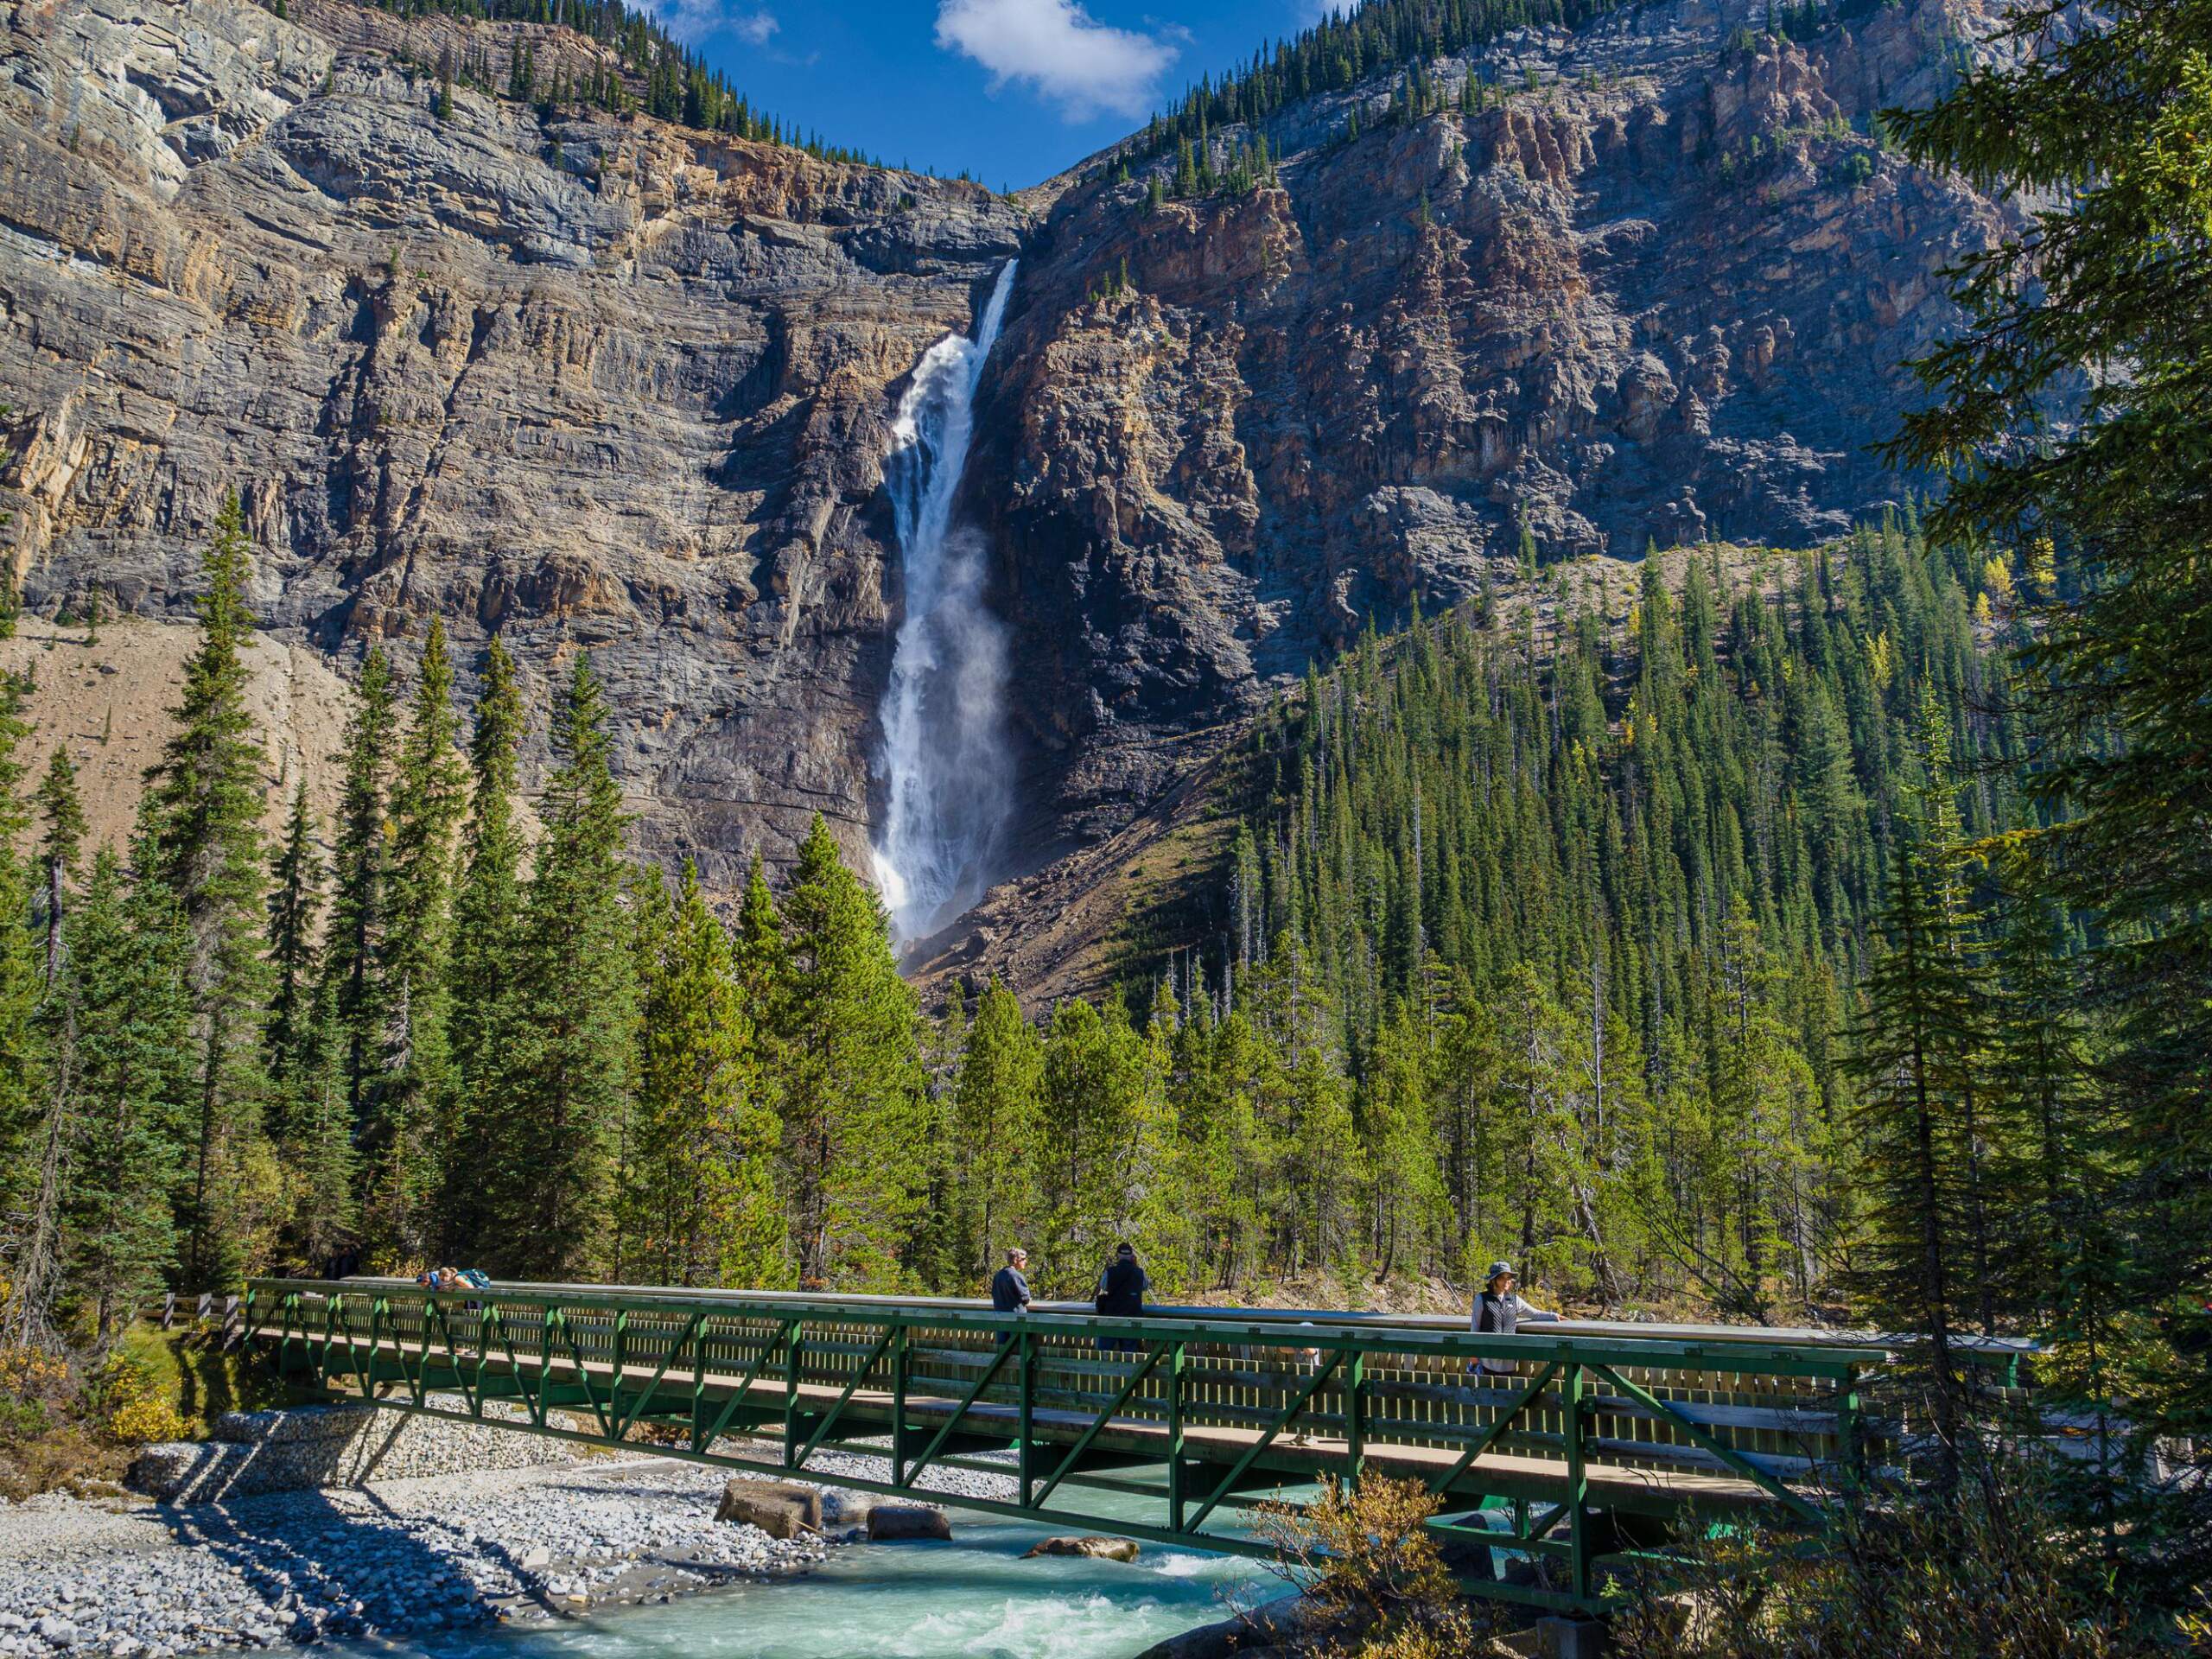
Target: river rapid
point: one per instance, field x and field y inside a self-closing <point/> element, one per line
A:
<point x="974" y="1596"/>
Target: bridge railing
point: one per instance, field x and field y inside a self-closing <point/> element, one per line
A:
<point x="1562" y="1431"/>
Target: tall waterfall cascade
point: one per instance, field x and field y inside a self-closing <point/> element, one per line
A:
<point x="944" y="757"/>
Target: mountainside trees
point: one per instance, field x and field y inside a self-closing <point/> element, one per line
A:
<point x="2071" y="410"/>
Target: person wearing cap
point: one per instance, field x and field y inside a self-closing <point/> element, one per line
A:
<point x="1010" y="1289"/>
<point x="1121" y="1296"/>
<point x="1499" y="1310"/>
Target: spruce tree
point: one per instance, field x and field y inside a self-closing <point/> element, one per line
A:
<point x="133" y="1080"/>
<point x="852" y="1082"/>
<point x="201" y="841"/>
<point x="486" y="946"/>
<point x="61" y="811"/>
<point x="352" y="967"/>
<point x="31" y="1126"/>
<point x="708" y="1139"/>
<point x="320" y="1200"/>
<point x="428" y="798"/>
<point x="558" y="1102"/>
<point x="295" y="906"/>
<point x="2100" y="477"/>
<point x="1916" y="1047"/>
<point x="995" y="1101"/>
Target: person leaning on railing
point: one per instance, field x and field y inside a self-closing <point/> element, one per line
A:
<point x="1010" y="1289"/>
<point x="1499" y="1309"/>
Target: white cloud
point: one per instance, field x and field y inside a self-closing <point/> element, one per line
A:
<point x="693" y="21"/>
<point x="1059" y="50"/>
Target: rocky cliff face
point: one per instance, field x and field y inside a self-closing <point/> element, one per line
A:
<point x="603" y="384"/>
<point x="595" y="383"/>
<point x="1660" y="294"/>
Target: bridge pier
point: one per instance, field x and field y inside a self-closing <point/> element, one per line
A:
<point x="1560" y="1638"/>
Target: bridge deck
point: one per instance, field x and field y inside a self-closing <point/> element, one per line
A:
<point x="870" y="1412"/>
<point x="1196" y="1413"/>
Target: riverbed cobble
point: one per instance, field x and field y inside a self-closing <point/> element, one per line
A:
<point x="391" y="1558"/>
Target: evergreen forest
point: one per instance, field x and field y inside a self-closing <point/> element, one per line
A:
<point x="1791" y="936"/>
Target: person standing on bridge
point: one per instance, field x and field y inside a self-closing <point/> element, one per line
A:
<point x="1121" y="1296"/>
<point x="1010" y="1289"/>
<point x="1499" y="1310"/>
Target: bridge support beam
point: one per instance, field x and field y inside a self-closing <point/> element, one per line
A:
<point x="1594" y="1427"/>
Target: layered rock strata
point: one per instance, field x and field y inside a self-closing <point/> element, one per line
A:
<point x="600" y="383"/>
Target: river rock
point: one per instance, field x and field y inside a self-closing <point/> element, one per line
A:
<point x="841" y="1511"/>
<point x="1097" y="1549"/>
<point x="779" y="1507"/>
<point x="887" y="1522"/>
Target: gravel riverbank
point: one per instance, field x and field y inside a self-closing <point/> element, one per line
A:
<point x="390" y="1558"/>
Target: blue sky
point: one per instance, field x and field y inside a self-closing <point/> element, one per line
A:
<point x="1011" y="89"/>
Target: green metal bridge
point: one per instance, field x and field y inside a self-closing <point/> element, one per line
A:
<point x="1585" y="1457"/>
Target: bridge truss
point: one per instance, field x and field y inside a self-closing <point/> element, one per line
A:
<point x="1587" y="1457"/>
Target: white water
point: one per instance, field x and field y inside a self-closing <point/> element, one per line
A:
<point x="973" y="1598"/>
<point x="945" y="751"/>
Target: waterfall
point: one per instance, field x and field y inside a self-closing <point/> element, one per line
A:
<point x="944" y="751"/>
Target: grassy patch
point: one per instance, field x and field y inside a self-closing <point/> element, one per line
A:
<point x="76" y="1427"/>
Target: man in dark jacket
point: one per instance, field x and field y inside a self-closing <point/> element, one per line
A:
<point x="1010" y="1289"/>
<point x="1498" y="1311"/>
<point x="1120" y="1295"/>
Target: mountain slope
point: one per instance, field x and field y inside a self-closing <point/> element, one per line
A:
<point x="592" y="381"/>
<point x="1658" y="290"/>
<point x="596" y="381"/>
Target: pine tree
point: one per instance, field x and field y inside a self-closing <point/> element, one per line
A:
<point x="995" y="1103"/>
<point x="709" y="1137"/>
<point x="295" y="908"/>
<point x="2110" y="122"/>
<point x="428" y="798"/>
<point x="353" y="966"/>
<point x="852" y="1082"/>
<point x="1915" y="1050"/>
<point x="30" y="1100"/>
<point x="201" y="841"/>
<point x="486" y="946"/>
<point x="61" y="809"/>
<point x="554" y="1112"/>
<point x="133" y="1079"/>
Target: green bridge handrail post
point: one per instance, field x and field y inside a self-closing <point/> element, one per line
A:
<point x="1175" y="1368"/>
<point x="1578" y="1488"/>
<point x="1355" y="1396"/>
<point x="614" y="1383"/>
<point x="1028" y="1382"/>
<point x="793" y="1366"/>
<point x="483" y="1359"/>
<point x="698" y="1386"/>
<point x="548" y="1321"/>
<point x="901" y="1364"/>
<point x="1852" y="1453"/>
<point x="380" y="1311"/>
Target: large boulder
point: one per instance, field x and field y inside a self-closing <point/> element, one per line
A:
<point x="845" y="1511"/>
<point x="887" y="1522"/>
<point x="782" y="1508"/>
<point x="1096" y="1549"/>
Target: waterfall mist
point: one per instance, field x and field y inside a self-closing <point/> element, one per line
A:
<point x="944" y="753"/>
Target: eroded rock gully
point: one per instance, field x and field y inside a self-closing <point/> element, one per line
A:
<point x="600" y="384"/>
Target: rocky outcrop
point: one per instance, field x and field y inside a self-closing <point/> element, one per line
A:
<point x="1659" y="291"/>
<point x="594" y="383"/>
<point x="600" y="384"/>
